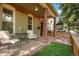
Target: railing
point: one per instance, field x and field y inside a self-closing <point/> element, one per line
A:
<point x="74" y="39"/>
<point x="62" y="34"/>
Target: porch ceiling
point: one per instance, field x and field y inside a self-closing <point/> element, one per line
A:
<point x="30" y="8"/>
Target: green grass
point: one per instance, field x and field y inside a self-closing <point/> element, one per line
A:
<point x="56" y="49"/>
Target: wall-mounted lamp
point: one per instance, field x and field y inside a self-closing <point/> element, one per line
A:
<point x="50" y="21"/>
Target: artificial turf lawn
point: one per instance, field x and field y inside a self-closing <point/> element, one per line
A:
<point x="56" y="49"/>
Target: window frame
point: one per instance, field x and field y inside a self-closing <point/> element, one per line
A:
<point x="8" y="21"/>
<point x="29" y="15"/>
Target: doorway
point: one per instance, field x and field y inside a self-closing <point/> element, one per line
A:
<point x="41" y="29"/>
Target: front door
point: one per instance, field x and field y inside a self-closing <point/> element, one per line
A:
<point x="41" y="28"/>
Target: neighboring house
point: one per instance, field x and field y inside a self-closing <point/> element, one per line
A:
<point x="27" y="16"/>
<point x="59" y="26"/>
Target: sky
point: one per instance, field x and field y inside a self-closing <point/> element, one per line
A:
<point x="57" y="6"/>
<point x="58" y="9"/>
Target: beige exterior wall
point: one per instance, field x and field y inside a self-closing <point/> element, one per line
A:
<point x="21" y="21"/>
<point x="36" y="24"/>
<point x="0" y="16"/>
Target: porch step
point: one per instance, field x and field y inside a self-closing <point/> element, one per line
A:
<point x="60" y="41"/>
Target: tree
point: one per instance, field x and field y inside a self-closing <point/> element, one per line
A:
<point x="71" y="14"/>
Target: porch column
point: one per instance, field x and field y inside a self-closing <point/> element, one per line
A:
<point x="54" y="27"/>
<point x="1" y="17"/>
<point x="45" y="31"/>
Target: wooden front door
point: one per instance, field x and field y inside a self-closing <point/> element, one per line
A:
<point x="41" y="29"/>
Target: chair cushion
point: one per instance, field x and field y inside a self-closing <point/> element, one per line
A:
<point x="31" y="34"/>
<point x="4" y="36"/>
<point x="30" y="31"/>
<point x="4" y="40"/>
<point x="13" y="41"/>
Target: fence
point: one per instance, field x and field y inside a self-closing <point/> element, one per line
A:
<point x="74" y="39"/>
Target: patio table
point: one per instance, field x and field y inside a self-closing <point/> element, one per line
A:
<point x="21" y="36"/>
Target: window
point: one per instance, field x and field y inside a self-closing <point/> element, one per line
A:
<point x="29" y="23"/>
<point x="50" y="24"/>
<point x="7" y="22"/>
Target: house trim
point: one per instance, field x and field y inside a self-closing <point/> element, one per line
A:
<point x="13" y="9"/>
<point x="32" y="20"/>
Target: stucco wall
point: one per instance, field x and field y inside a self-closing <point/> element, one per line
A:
<point x="21" y="20"/>
<point x="36" y="24"/>
<point x="0" y="17"/>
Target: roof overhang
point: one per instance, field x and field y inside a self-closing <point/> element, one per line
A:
<point x="50" y="8"/>
<point x="40" y="13"/>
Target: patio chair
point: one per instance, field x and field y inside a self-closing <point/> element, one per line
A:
<point x="5" y="38"/>
<point x="31" y="35"/>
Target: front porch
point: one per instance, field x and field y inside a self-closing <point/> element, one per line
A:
<point x="29" y="18"/>
<point x="28" y="47"/>
<point x="23" y="18"/>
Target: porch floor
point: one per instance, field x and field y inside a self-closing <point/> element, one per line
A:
<point x="27" y="47"/>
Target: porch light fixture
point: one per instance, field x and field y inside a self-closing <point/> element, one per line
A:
<point x="36" y="9"/>
<point x="50" y="21"/>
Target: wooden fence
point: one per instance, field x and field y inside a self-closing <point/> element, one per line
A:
<point x="75" y="44"/>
